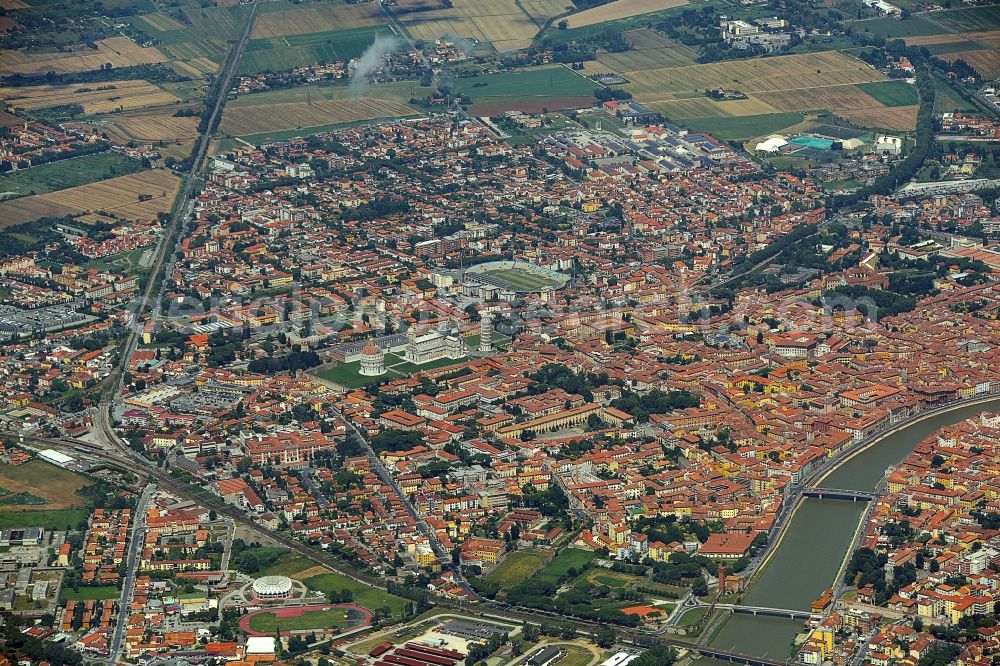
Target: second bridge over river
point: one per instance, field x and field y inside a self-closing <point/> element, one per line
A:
<point x="839" y="494"/>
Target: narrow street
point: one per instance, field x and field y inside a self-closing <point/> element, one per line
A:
<point x="136" y="540"/>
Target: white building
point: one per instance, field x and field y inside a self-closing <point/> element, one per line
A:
<point x="434" y="345"/>
<point x="486" y="334"/>
<point x="372" y="361"/>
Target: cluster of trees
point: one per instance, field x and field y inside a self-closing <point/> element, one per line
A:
<point x="298" y="360"/>
<point x="251" y="559"/>
<point x="378" y="208"/>
<point x="15" y="643"/>
<point x="578" y="602"/>
<point x="655" y="402"/>
<point x="881" y="303"/>
<point x="155" y="73"/>
<point x="480" y="651"/>
<point x="396" y="440"/>
<point x="911" y="164"/>
<point x="550" y="502"/>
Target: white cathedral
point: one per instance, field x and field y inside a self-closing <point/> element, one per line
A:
<point x="444" y="342"/>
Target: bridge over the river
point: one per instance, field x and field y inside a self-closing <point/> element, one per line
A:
<point x="839" y="494"/>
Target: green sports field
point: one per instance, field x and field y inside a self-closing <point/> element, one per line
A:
<point x="522" y="280"/>
<point x="336" y="618"/>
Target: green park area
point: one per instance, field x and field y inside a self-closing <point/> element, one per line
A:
<point x="372" y="598"/>
<point x="517" y="567"/>
<point x="571" y="558"/>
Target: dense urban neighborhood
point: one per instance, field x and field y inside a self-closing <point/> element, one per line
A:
<point x="508" y="333"/>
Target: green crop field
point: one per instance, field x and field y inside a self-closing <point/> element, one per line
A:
<point x="743" y="127"/>
<point x="371" y="598"/>
<point x="571" y="558"/>
<point x="891" y="28"/>
<point x="201" y="23"/>
<point x="64" y="174"/>
<point x="278" y="54"/>
<point x="953" y="47"/>
<point x="516" y="568"/>
<point x="50" y="519"/>
<point x="269" y="623"/>
<point x="970" y="19"/>
<point x="525" y="85"/>
<point x="892" y="93"/>
<point x="89" y="593"/>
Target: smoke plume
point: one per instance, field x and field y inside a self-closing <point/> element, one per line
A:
<point x="370" y="60"/>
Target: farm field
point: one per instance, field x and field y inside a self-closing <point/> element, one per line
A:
<point x="892" y="93"/>
<point x="805" y="72"/>
<point x="891" y="28"/>
<point x="554" y="86"/>
<point x="199" y="45"/>
<point x="901" y="118"/>
<point x="119" y="51"/>
<point x="368" y="597"/>
<point x="500" y="23"/>
<point x="400" y="91"/>
<point x="94" y="98"/>
<point x="316" y="18"/>
<point x="744" y="127"/>
<point x="259" y="119"/>
<point x="969" y="19"/>
<point x="157" y="126"/>
<point x="650" y="50"/>
<point x="619" y="9"/>
<point x="984" y="61"/>
<point x="118" y="196"/>
<point x="793" y="83"/>
<point x="67" y="173"/>
<point x="281" y="53"/>
<point x="517" y="567"/>
<point x="202" y="23"/>
<point x="56" y="486"/>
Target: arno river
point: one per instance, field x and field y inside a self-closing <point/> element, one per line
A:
<point x="815" y="543"/>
